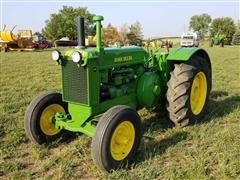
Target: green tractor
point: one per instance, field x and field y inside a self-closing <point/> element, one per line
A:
<point x="102" y="89"/>
<point x="217" y="40"/>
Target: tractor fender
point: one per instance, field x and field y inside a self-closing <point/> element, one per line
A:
<point x="184" y="54"/>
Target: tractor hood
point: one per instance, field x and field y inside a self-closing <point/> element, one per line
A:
<point x="121" y="55"/>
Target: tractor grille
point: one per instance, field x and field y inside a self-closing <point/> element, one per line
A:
<point x="74" y="81"/>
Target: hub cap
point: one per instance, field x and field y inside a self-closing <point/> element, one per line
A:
<point x="46" y="117"/>
<point x="198" y="93"/>
<point x="122" y="140"/>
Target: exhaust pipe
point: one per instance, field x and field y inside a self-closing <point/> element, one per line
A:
<point x="80" y="31"/>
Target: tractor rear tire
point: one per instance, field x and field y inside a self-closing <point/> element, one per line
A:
<point x="39" y="114"/>
<point x="188" y="91"/>
<point x="117" y="138"/>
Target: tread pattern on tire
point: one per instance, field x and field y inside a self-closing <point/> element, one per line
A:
<point x="179" y="89"/>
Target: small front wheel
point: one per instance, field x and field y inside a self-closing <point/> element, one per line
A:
<point x="38" y="122"/>
<point x="117" y="138"/>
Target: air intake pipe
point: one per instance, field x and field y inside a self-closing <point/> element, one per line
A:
<point x="98" y="20"/>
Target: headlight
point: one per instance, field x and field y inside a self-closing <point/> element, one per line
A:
<point x="56" y="55"/>
<point x="76" y="57"/>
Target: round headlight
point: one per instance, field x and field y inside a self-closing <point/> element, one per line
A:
<point x="76" y="57"/>
<point x="56" y="55"/>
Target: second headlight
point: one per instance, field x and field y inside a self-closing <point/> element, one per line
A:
<point x="76" y="57"/>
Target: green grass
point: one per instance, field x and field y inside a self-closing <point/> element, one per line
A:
<point x="209" y="149"/>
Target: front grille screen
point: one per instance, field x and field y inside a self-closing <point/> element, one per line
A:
<point x="74" y="81"/>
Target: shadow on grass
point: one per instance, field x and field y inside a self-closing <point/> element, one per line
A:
<point x="152" y="147"/>
<point x="158" y="122"/>
<point x="220" y="104"/>
<point x="65" y="138"/>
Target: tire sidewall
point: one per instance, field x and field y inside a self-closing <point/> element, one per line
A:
<point x="202" y="68"/>
<point x="128" y="114"/>
<point x="36" y="108"/>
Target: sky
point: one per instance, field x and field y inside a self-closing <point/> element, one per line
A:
<point x="158" y="18"/>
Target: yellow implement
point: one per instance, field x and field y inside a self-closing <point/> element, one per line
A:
<point x="7" y="36"/>
<point x="9" y="41"/>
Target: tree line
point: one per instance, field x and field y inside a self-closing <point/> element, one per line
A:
<point x="222" y="26"/>
<point x="63" y="24"/>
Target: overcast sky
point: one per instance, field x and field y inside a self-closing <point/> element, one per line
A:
<point x="157" y="18"/>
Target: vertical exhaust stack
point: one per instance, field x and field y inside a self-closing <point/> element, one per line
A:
<point x="98" y="20"/>
<point x="80" y="31"/>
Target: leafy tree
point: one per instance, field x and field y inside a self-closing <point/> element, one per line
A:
<point x="123" y="31"/>
<point x="63" y="23"/>
<point x="236" y="36"/>
<point x="224" y="27"/>
<point x="200" y="23"/>
<point x="110" y="35"/>
<point x="135" y="35"/>
<point x="238" y="26"/>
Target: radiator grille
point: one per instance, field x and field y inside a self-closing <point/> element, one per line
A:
<point x="74" y="81"/>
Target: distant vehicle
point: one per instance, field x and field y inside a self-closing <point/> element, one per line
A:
<point x="40" y="42"/>
<point x="190" y="40"/>
<point x="217" y="40"/>
<point x="65" y="41"/>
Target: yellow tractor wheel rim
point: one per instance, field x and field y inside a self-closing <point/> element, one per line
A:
<point x="198" y="93"/>
<point x="46" y="124"/>
<point x="122" y="140"/>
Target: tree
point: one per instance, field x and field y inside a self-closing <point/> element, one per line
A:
<point x="238" y="26"/>
<point x="63" y="23"/>
<point x="224" y="27"/>
<point x="123" y="31"/>
<point x="110" y="35"/>
<point x="200" y="23"/>
<point x="236" y="36"/>
<point x="135" y="35"/>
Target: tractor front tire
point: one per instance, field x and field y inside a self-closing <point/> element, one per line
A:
<point x="117" y="138"/>
<point x="188" y="91"/>
<point x="39" y="114"/>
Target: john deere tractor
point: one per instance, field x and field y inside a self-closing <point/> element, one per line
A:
<point x="102" y="89"/>
<point x="217" y="40"/>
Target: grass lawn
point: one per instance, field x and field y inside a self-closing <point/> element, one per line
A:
<point x="208" y="150"/>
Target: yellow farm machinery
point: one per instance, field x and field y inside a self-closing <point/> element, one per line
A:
<point x="21" y="42"/>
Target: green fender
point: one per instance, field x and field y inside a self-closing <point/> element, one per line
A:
<point x="185" y="53"/>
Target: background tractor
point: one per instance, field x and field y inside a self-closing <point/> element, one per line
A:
<point x="217" y="40"/>
<point x="40" y="42"/>
<point x="102" y="89"/>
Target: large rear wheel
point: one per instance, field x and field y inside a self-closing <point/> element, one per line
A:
<point x="117" y="137"/>
<point x="188" y="91"/>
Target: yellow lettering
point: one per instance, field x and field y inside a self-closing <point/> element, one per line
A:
<point x="123" y="59"/>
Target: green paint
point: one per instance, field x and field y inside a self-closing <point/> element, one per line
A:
<point x="78" y="120"/>
<point x="148" y="89"/>
<point x="98" y="20"/>
<point x="114" y="76"/>
<point x="182" y="54"/>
